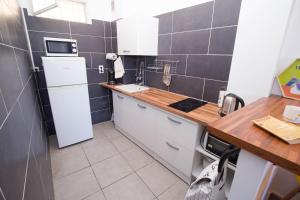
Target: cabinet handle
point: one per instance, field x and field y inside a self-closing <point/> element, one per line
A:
<point x="143" y="107"/>
<point x="175" y="121"/>
<point x="172" y="146"/>
<point x="120" y="97"/>
<point x="126" y="51"/>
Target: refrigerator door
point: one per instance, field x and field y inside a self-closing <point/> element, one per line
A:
<point x="71" y="113"/>
<point x="61" y="71"/>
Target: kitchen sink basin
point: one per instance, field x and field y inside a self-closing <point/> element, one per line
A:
<point x="131" y="88"/>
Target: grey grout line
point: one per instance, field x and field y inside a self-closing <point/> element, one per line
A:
<point x="1" y="192"/>
<point x="2" y="97"/>
<point x="18" y="67"/>
<point x="172" y="27"/>
<point x="7" y="45"/>
<point x="203" y="88"/>
<point x="16" y="101"/>
<point x="94" y="111"/>
<point x="211" y="24"/>
<point x="186" y="65"/>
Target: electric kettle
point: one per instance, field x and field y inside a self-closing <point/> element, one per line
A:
<point x="231" y="103"/>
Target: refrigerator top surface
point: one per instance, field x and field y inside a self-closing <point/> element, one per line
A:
<point x="64" y="71"/>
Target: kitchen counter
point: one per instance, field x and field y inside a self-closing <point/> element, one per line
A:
<point x="238" y="129"/>
<point x="204" y="115"/>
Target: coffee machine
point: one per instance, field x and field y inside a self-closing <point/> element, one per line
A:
<point x="111" y="77"/>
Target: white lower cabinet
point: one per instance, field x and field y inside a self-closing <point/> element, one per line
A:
<point x="169" y="136"/>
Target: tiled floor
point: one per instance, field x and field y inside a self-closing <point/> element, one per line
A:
<point x="110" y="167"/>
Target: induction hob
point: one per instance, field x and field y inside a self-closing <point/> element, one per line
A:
<point x="188" y="104"/>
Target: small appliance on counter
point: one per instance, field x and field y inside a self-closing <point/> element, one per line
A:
<point x="111" y="77"/>
<point x="214" y="145"/>
<point x="231" y="103"/>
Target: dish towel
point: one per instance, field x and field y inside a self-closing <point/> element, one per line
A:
<point x="119" y="68"/>
<point x="167" y="76"/>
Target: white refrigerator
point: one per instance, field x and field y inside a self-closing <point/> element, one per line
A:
<point x="66" y="80"/>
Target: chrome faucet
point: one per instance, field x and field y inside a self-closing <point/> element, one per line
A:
<point x="140" y="74"/>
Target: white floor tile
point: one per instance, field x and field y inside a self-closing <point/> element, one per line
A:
<point x="137" y="158"/>
<point x="97" y="196"/>
<point x="67" y="160"/>
<point x="98" y="150"/>
<point x="112" y="133"/>
<point x="176" y="192"/>
<point x="122" y="143"/>
<point x="76" y="186"/>
<point x="129" y="188"/>
<point x="111" y="170"/>
<point x="157" y="177"/>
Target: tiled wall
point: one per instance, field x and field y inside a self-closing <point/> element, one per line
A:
<point x="200" y="39"/>
<point x="25" y="169"/>
<point x="94" y="40"/>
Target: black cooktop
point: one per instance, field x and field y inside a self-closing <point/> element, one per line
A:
<point x="188" y="104"/>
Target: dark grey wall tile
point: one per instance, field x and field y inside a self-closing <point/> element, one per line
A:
<point x="41" y="79"/>
<point x="47" y="25"/>
<point x="99" y="59"/>
<point x="93" y="76"/>
<point x="50" y="127"/>
<point x="193" y="18"/>
<point x="47" y="113"/>
<point x="24" y="64"/>
<point x="107" y="26"/>
<point x="114" y="45"/>
<point x="88" y="59"/>
<point x="211" y="90"/>
<point x="99" y="103"/>
<point x="133" y="62"/>
<point x="177" y="62"/>
<point x="165" y="23"/>
<point x="226" y="12"/>
<point x="195" y="42"/>
<point x="101" y="116"/>
<point x="44" y="96"/>
<point x="108" y="45"/>
<point x="114" y="29"/>
<point x="154" y="79"/>
<point x="27" y="103"/>
<point x="36" y="39"/>
<point x="33" y="188"/>
<point x="164" y="44"/>
<point x="10" y="80"/>
<point x="222" y="40"/>
<point x="95" y="29"/>
<point x="14" y="142"/>
<point x="129" y="77"/>
<point x="188" y="86"/>
<point x="208" y="66"/>
<point x="3" y="111"/>
<point x="95" y="90"/>
<point x="90" y="43"/>
<point x="37" y="59"/>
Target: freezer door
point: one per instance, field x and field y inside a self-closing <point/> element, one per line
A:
<point x="71" y="113"/>
<point x="60" y="71"/>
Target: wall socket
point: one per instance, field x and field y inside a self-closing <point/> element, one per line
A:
<point x="101" y="69"/>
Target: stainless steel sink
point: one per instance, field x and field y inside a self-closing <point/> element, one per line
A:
<point x="131" y="88"/>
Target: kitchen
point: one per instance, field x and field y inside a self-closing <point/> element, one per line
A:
<point x="120" y="99"/>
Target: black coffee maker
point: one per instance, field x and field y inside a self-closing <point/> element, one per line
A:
<point x="111" y="77"/>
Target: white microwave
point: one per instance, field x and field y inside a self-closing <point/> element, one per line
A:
<point x="60" y="47"/>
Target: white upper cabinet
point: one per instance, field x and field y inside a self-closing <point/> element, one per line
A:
<point x="137" y="36"/>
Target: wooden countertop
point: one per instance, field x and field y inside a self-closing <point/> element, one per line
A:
<point x="238" y="129"/>
<point x="161" y="98"/>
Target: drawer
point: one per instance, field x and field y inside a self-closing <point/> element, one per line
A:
<point x="182" y="131"/>
<point x="176" y="155"/>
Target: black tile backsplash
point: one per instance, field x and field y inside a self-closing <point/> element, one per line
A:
<point x="201" y="49"/>
<point x="94" y="41"/>
<point x="23" y="140"/>
<point x="195" y="42"/>
<point x="193" y="18"/>
<point x="222" y="40"/>
<point x="226" y="13"/>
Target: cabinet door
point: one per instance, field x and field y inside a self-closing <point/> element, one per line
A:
<point x="145" y="127"/>
<point x="127" y="36"/>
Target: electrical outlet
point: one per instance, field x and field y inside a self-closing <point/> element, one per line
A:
<point x="101" y="69"/>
